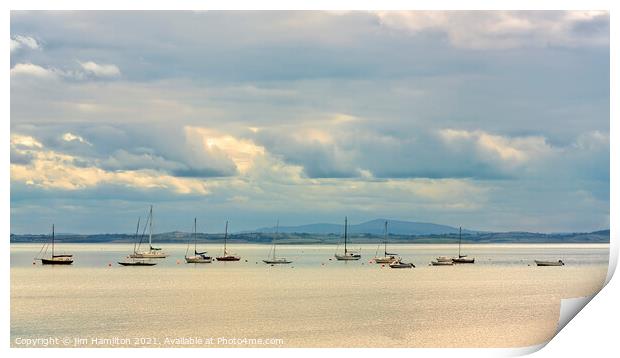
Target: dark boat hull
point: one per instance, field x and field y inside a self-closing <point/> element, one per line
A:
<point x="228" y="258"/>
<point x="137" y="263"/>
<point x="549" y="263"/>
<point x="56" y="262"/>
<point x="277" y="262"/>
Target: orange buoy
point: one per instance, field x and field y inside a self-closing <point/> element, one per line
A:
<point x="178" y="262"/>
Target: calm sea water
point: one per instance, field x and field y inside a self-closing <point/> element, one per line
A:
<point x="503" y="300"/>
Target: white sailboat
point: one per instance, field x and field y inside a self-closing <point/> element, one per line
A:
<point x="273" y="259"/>
<point x="387" y="257"/>
<point x="198" y="257"/>
<point x="348" y="255"/>
<point x="462" y="259"/>
<point x="152" y="252"/>
<point x="133" y="261"/>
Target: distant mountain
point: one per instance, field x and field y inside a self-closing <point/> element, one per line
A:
<point x="373" y="227"/>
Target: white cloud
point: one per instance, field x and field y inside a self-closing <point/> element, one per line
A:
<point x="100" y="70"/>
<point x="510" y="152"/>
<point x="53" y="170"/>
<point x="18" y="140"/>
<point x="19" y="42"/>
<point x="505" y="29"/>
<point x="70" y="137"/>
<point x="31" y="70"/>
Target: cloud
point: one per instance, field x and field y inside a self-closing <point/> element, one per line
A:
<point x="19" y="42"/>
<point x="100" y="70"/>
<point x="30" y="70"/>
<point x="506" y="151"/>
<point x="506" y="29"/>
<point x="309" y="115"/>
<point x="70" y="137"/>
<point x="53" y="170"/>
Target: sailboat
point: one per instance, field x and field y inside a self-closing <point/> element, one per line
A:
<point x="398" y="263"/>
<point x="442" y="261"/>
<point x="152" y="252"/>
<point x="227" y="256"/>
<point x="62" y="259"/>
<point x="273" y="259"/>
<point x="199" y="257"/>
<point x="462" y="259"/>
<point x="136" y="262"/>
<point x="348" y="255"/>
<point x="387" y="257"/>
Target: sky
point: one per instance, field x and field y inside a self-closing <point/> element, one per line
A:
<point x="488" y="120"/>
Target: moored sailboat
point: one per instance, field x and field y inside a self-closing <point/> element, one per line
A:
<point x="54" y="259"/>
<point x="462" y="259"/>
<point x="442" y="262"/>
<point x="387" y="257"/>
<point x="227" y="256"/>
<point x="130" y="261"/>
<point x="348" y="255"/>
<point x="398" y="263"/>
<point x="152" y="252"/>
<point x="198" y="257"/>
<point x="273" y="259"/>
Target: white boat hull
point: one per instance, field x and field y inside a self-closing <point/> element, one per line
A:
<point x="385" y="260"/>
<point x="149" y="255"/>
<point x="442" y="263"/>
<point x="198" y="260"/>
<point x="348" y="257"/>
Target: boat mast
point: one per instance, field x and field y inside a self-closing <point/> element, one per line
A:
<point x="345" y="235"/>
<point x="150" y="227"/>
<point x="135" y="242"/>
<point x="459" y="241"/>
<point x="195" y="238"/>
<point x="225" y="235"/>
<point x="274" y="241"/>
<point x="385" y="240"/>
<point x="52" y="240"/>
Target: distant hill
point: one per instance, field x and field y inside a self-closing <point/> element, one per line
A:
<point x="373" y="227"/>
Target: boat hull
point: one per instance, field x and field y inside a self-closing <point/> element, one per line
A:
<point x="401" y="265"/>
<point x="137" y="263"/>
<point x="463" y="260"/>
<point x="384" y="260"/>
<point x="442" y="263"/>
<point x="148" y="255"/>
<point x="198" y="260"/>
<point x="347" y="257"/>
<point x="549" y="263"/>
<point x="277" y="262"/>
<point x="57" y="261"/>
<point x="228" y="258"/>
